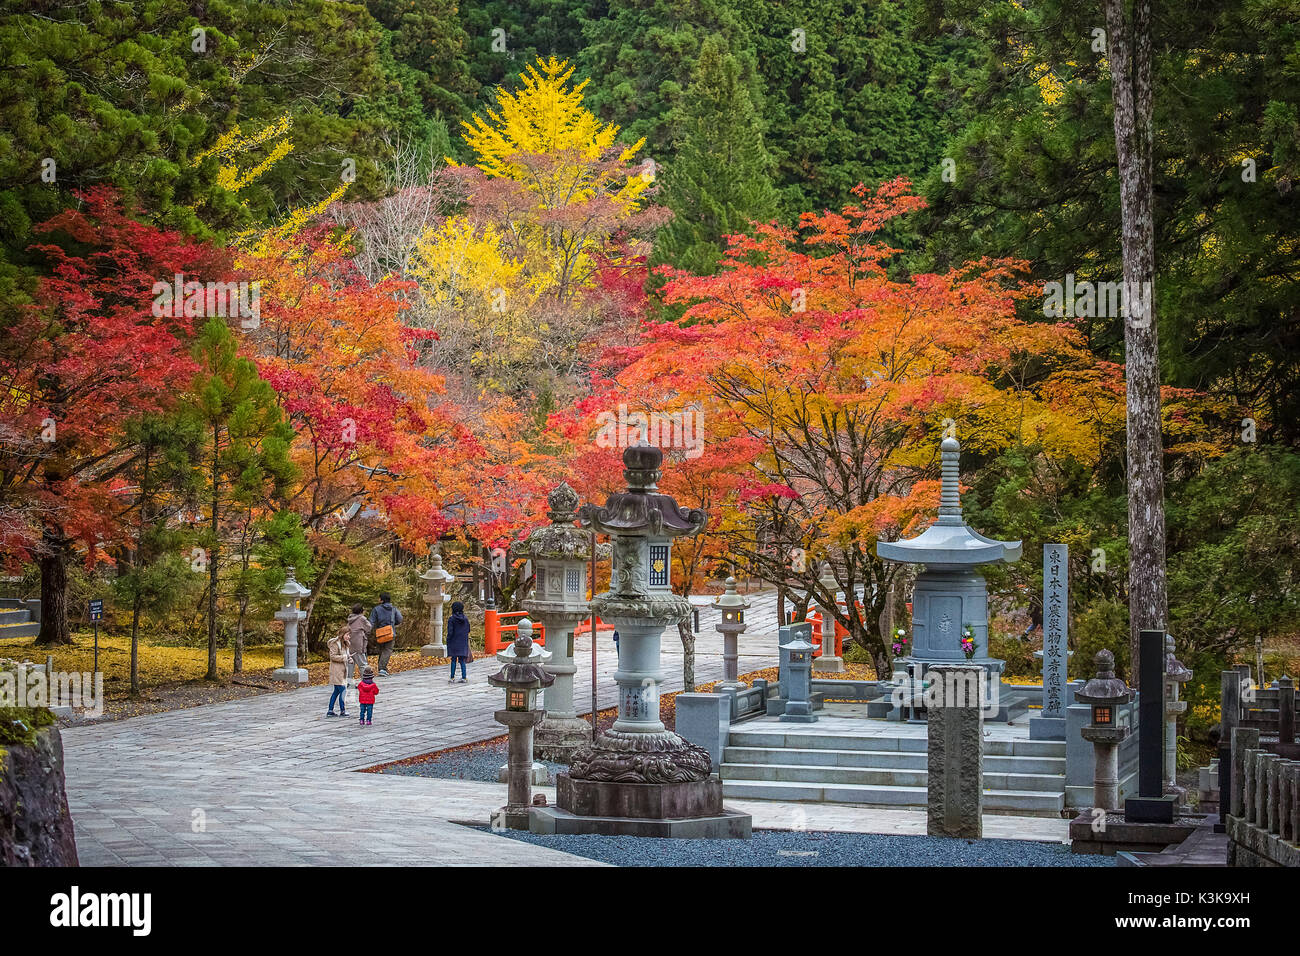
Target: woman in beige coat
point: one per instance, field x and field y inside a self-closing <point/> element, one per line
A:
<point x="338" y="671"/>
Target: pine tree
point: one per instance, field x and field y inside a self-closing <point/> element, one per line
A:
<point x="719" y="181"/>
<point x="245" y="453"/>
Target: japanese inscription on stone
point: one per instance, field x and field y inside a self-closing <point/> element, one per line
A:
<point x="1056" y="613"/>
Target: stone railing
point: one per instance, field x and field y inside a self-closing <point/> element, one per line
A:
<point x="1263" y="821"/>
<point x="751" y="702"/>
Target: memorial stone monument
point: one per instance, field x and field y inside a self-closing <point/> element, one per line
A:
<point x="1050" y="724"/>
<point x="955" y="759"/>
<point x="1176" y="674"/>
<point x="949" y="596"/>
<point x="1152" y="804"/>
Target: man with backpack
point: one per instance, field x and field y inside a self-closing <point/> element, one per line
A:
<point x="385" y="619"/>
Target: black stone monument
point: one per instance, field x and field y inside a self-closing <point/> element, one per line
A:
<point x="1152" y="804"/>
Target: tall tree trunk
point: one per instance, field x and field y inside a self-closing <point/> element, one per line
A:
<point x="54" y="589"/>
<point x="212" y="559"/>
<point x="1129" y="54"/>
<point x="688" y="655"/>
<point x="239" y="634"/>
<point x="135" y="642"/>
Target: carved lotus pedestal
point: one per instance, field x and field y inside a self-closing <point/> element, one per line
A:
<point x="633" y="784"/>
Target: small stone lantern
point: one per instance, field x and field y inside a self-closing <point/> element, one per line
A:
<point x="798" y="706"/>
<point x="291" y="594"/>
<point x="829" y="662"/>
<point x="1105" y="694"/>
<point x="436" y="580"/>
<point x="522" y="675"/>
<point x="1176" y="674"/>
<point x="731" y="624"/>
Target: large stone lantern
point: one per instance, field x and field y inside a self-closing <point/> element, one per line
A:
<point x="1176" y="674"/>
<point x="436" y="580"/>
<point x="521" y="675"/>
<point x="559" y="552"/>
<point x="1105" y="694"/>
<point x="731" y="624"/>
<point x="290" y="595"/>
<point x="639" y="777"/>
<point x="949" y="596"/>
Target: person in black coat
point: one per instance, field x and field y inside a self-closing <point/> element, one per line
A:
<point x="458" y="640"/>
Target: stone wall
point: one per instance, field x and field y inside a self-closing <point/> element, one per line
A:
<point x="35" y="826"/>
<point x="1263" y="824"/>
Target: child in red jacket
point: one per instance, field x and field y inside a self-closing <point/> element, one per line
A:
<point x="366" y="691"/>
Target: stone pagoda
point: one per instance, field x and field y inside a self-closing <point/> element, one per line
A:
<point x="950" y="598"/>
<point x="638" y="777"/>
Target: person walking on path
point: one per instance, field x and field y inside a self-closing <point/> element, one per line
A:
<point x="339" y="658"/>
<point x="367" y="690"/>
<point x="458" y="640"/>
<point x="385" y="616"/>
<point x="358" y="626"/>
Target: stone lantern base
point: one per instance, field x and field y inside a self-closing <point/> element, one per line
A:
<point x="828" y="665"/>
<point x="433" y="650"/>
<point x="290" y="675"/>
<point x="559" y="738"/>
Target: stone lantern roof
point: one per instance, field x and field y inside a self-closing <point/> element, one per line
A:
<point x="641" y="510"/>
<point x="525" y="670"/>
<point x="729" y="599"/>
<point x="1105" y="688"/>
<point x="291" y="588"/>
<point x="561" y="539"/>
<point x="949" y="542"/>
<point x="1175" y="669"/>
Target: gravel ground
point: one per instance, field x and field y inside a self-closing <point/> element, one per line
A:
<point x="785" y="848"/>
<point x="481" y="761"/>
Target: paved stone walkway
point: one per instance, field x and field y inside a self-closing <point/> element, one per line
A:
<point x="264" y="781"/>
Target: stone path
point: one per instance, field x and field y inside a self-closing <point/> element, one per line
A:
<point x="267" y="776"/>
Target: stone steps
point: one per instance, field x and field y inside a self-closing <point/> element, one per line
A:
<point x="20" y="629"/>
<point x="883" y="759"/>
<point x="1026" y="802"/>
<point x="1020" y="776"/>
<point x="878" y="776"/>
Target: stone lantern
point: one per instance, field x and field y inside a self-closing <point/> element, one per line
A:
<point x="538" y="773"/>
<point x="731" y="624"/>
<point x="1176" y="674"/>
<point x="829" y="662"/>
<point x="522" y="675"/>
<point x="638" y="777"/>
<point x="949" y="595"/>
<point x="798" y="705"/>
<point x="291" y="594"/>
<point x="1105" y="694"/>
<point x="436" y="580"/>
<point x="559" y="553"/>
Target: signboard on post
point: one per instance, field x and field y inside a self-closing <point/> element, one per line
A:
<point x="96" y="610"/>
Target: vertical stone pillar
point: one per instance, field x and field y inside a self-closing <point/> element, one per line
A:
<point x="1243" y="739"/>
<point x="829" y="662"/>
<point x="1285" y="710"/>
<point x="954" y="778"/>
